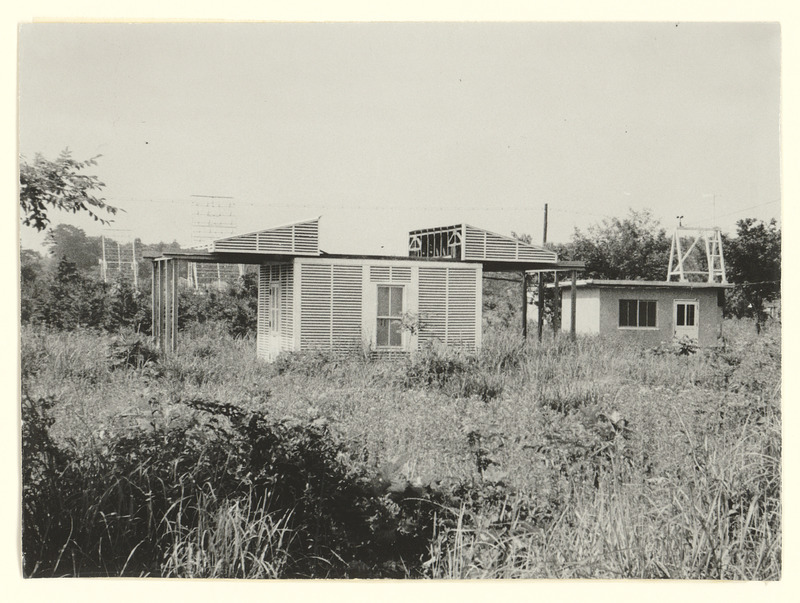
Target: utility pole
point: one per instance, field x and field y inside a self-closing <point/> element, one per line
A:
<point x="540" y="321"/>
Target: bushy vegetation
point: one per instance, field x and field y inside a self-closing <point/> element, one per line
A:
<point x="66" y="298"/>
<point x="584" y="459"/>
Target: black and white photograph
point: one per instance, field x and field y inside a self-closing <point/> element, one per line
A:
<point x="400" y="300"/>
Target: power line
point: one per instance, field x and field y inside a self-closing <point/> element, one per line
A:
<point x="737" y="211"/>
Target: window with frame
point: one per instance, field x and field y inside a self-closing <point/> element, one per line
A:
<point x="637" y="313"/>
<point x="390" y="316"/>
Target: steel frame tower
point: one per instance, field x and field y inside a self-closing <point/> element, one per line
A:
<point x="708" y="239"/>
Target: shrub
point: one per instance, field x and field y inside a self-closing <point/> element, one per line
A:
<point x="139" y="502"/>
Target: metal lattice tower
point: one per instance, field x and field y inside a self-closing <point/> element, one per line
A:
<point x="212" y="218"/>
<point x="687" y="245"/>
<point x="119" y="255"/>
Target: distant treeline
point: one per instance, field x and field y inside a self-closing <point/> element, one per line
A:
<point x="64" y="289"/>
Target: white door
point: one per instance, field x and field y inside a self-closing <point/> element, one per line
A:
<point x="686" y="319"/>
<point x="274" y="332"/>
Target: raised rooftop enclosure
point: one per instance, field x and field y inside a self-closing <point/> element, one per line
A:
<point x="300" y="238"/>
<point x="467" y="243"/>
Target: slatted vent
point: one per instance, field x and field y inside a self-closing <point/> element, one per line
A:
<point x="390" y="274"/>
<point x="295" y="239"/>
<point x="330" y="307"/>
<point x="448" y="306"/>
<point x="485" y="245"/>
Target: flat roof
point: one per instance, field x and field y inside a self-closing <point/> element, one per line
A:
<point x="227" y="257"/>
<point x="600" y="283"/>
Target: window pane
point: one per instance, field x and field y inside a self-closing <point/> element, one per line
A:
<point x="383" y="301"/>
<point x="647" y="313"/>
<point x="680" y="319"/>
<point x="397" y="301"/>
<point x="651" y="313"/>
<point x="623" y="312"/>
<point x="689" y="315"/>
<point x="395" y="333"/>
<point x="382" y="336"/>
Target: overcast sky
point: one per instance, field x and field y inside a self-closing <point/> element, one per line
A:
<point x="382" y="128"/>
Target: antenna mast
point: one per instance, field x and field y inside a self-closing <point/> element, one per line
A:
<point x="212" y="218"/>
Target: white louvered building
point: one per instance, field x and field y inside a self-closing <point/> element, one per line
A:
<point x="309" y="300"/>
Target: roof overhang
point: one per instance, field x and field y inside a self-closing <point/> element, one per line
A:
<point x="631" y="284"/>
<point x="211" y="257"/>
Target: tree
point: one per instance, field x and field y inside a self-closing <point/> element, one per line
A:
<point x="72" y="243"/>
<point x="32" y="283"/>
<point x="45" y="185"/>
<point x="753" y="264"/>
<point x="635" y="248"/>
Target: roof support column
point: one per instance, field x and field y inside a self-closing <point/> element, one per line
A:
<point x="524" y="305"/>
<point x="540" y="320"/>
<point x="573" y="293"/>
<point x="165" y="304"/>
<point x="556" y="305"/>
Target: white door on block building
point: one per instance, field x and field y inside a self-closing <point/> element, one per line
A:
<point x="685" y="319"/>
<point x="274" y="332"/>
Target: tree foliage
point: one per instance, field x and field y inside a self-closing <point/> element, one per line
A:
<point x="634" y="248"/>
<point x="59" y="184"/>
<point x="753" y="264"/>
<point x="72" y="243"/>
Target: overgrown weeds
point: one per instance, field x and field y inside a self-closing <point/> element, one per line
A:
<point x="559" y="459"/>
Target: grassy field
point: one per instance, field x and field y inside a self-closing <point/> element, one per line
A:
<point x="555" y="460"/>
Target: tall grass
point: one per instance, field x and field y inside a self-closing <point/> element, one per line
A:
<point x="592" y="458"/>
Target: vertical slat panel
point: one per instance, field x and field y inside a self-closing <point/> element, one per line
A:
<point x="287" y="306"/>
<point x="448" y="306"/>
<point x="347" y="300"/>
<point x="432" y="305"/>
<point x="262" y="331"/>
<point x="461" y="307"/>
<point x="316" y="307"/>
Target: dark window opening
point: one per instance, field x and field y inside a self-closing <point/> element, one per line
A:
<point x="637" y="313"/>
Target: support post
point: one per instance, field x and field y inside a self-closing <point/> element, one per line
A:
<point x="556" y="304"/>
<point x="540" y="319"/>
<point x="154" y="301"/>
<point x="165" y="304"/>
<point x="524" y="305"/>
<point x="573" y="292"/>
<point x="173" y="341"/>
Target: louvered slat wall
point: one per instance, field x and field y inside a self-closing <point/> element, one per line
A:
<point x="262" y="332"/>
<point x="347" y="298"/>
<point x="448" y="305"/>
<point x="390" y="274"/>
<point x="484" y="245"/>
<point x="287" y="306"/>
<point x="298" y="239"/>
<point x="461" y="307"/>
<point x="330" y="306"/>
<point x="432" y="305"/>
